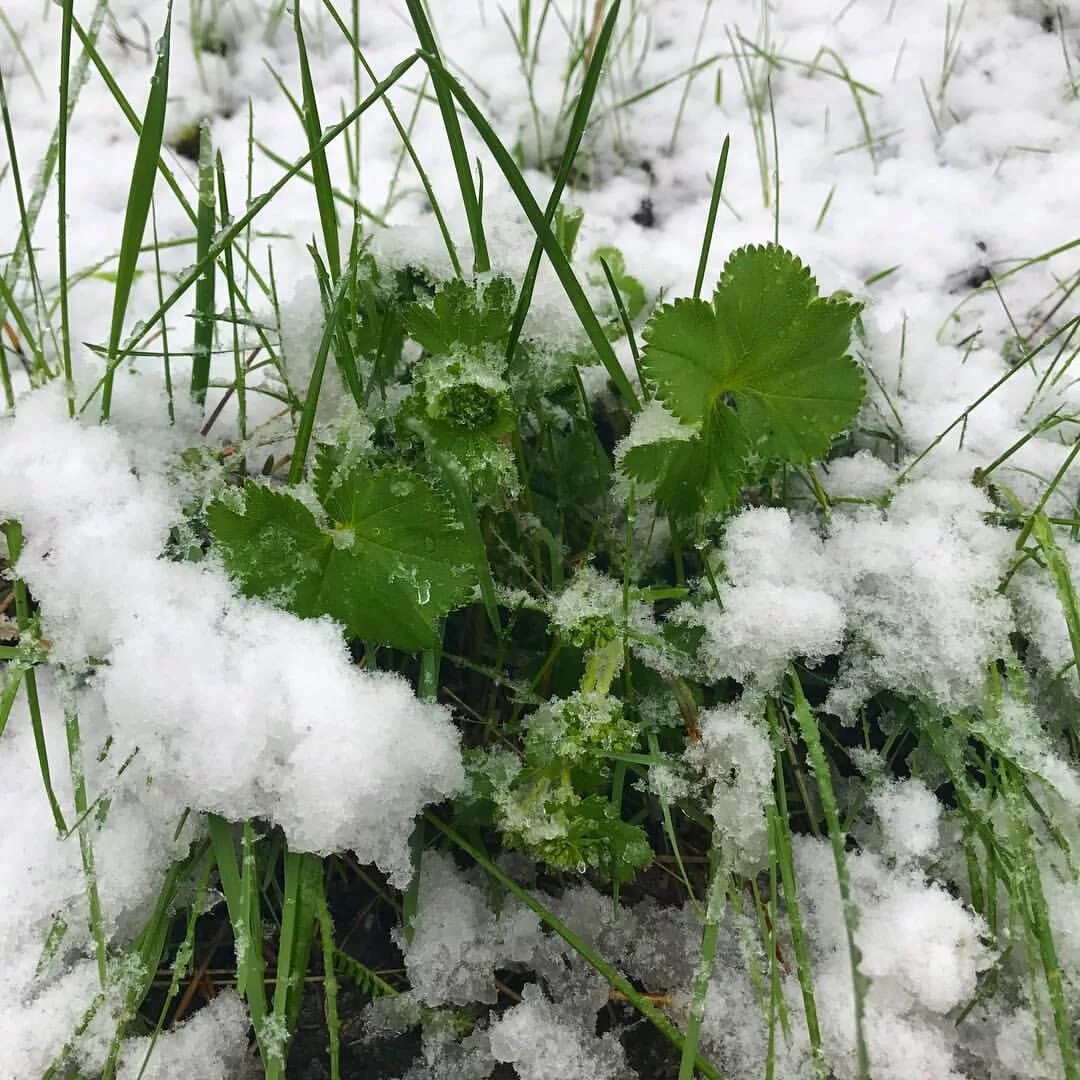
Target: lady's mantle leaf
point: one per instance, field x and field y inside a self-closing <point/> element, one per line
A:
<point x="761" y="374"/>
<point x="768" y="348"/>
<point x="390" y="562"/>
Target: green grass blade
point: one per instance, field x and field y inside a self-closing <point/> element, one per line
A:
<point x="710" y="221"/>
<point x="562" y="175"/>
<point x="1061" y="573"/>
<point x="339" y="195"/>
<point x="294" y="946"/>
<point x="628" y="326"/>
<point x="61" y="200"/>
<point x="811" y="735"/>
<point x="25" y="236"/>
<point x="239" y="887"/>
<point x="320" y="170"/>
<point x="555" y="254"/>
<point x="205" y="286"/>
<point x="182" y="960"/>
<point x="445" y="97"/>
<point x="330" y="984"/>
<point x="86" y="846"/>
<point x="167" y="174"/>
<point x="140" y="193"/>
<point x="780" y="836"/>
<point x="405" y="134"/>
<point x="311" y="399"/>
<point x="44" y="177"/>
<point x="239" y="370"/>
<point x="714" y="908"/>
<point x="166" y="356"/>
<point x="13" y="534"/>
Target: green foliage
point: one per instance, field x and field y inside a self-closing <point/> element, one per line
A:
<point x="463" y="313"/>
<point x="461" y="407"/>
<point x="539" y="807"/>
<point x="389" y="562"/>
<point x="566" y="226"/>
<point x="761" y="375"/>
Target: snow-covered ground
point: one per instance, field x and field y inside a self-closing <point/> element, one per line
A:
<point x="921" y="150"/>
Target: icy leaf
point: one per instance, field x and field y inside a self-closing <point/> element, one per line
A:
<point x="391" y="560"/>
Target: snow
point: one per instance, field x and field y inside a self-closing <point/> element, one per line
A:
<point x="458" y="942"/>
<point x="234" y="706"/>
<point x="546" y="1043"/>
<point x="735" y="753"/>
<point x="211" y="1045"/>
<point x="231" y="706"/>
<point x="910" y="591"/>
<point x="910" y="819"/>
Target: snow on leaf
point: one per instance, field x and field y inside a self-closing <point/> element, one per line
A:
<point x="391" y="560"/>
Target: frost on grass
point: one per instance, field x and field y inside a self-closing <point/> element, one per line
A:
<point x="1040" y="617"/>
<point x="233" y="706"/>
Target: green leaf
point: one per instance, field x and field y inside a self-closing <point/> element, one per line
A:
<point x="464" y="313"/>
<point x="391" y="560"/>
<point x="768" y="348"/>
<point x="682" y="356"/>
<point x="762" y="373"/>
<point x="706" y="470"/>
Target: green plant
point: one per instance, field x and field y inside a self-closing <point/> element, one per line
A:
<point x="759" y="376"/>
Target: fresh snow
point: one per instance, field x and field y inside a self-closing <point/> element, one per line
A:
<point x="224" y="704"/>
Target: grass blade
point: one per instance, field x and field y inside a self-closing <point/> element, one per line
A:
<point x="714" y="907"/>
<point x="330" y="985"/>
<point x="573" y="142"/>
<point x="204" y="287"/>
<point x="239" y="886"/>
<point x="780" y="835"/>
<point x="239" y="370"/>
<point x="140" y="193"/>
<point x="229" y="234"/>
<point x="311" y="399"/>
<point x="320" y="170"/>
<point x="61" y="199"/>
<point x="13" y="534"/>
<point x="25" y="235"/>
<point x="811" y="735"/>
<point x="710" y="221"/>
<point x="442" y="78"/>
